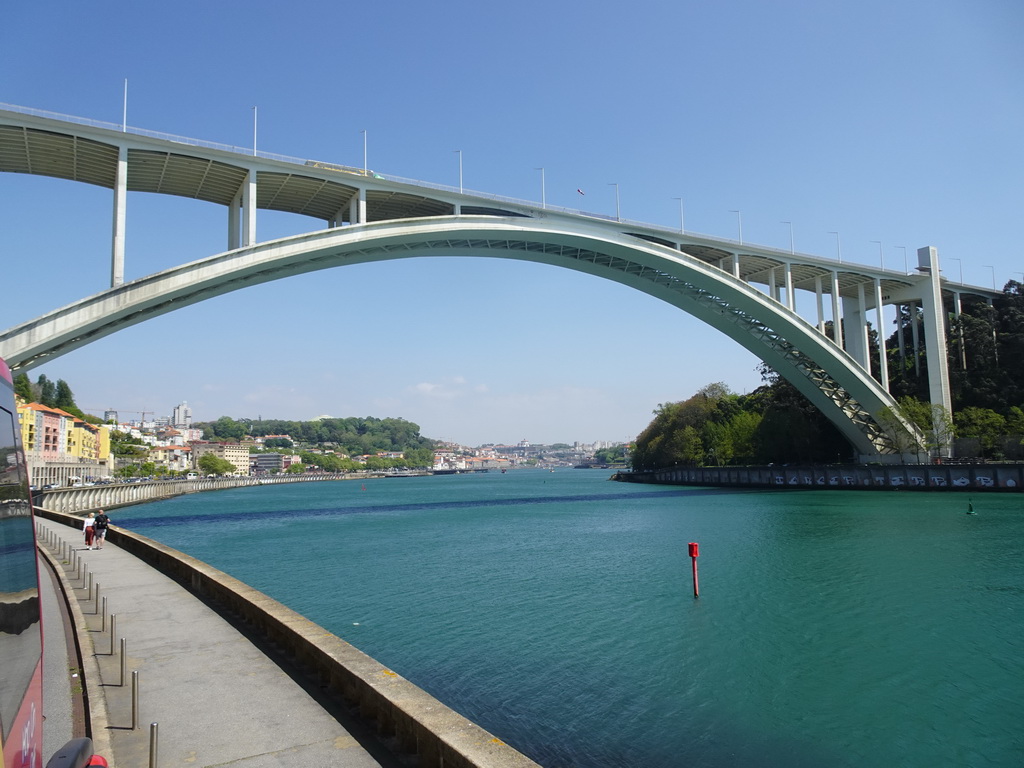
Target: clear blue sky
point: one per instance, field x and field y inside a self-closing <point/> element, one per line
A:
<point x="898" y="122"/>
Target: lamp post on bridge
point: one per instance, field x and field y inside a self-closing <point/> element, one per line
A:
<point x="365" y="173"/>
<point x="543" y="192"/>
<point x="739" y="223"/>
<point x="792" y="246"/>
<point x="881" y="258"/>
<point x="839" y="246"/>
<point x="989" y="266"/>
<point x="255" y="113"/>
<point x="459" y="153"/>
<point x="906" y="264"/>
<point x="618" y="217"/>
<point x="961" y="263"/>
<point x="682" y="221"/>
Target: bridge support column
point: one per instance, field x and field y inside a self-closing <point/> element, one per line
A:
<point x="234" y="221"/>
<point x="837" y="315"/>
<point x="935" y="334"/>
<point x="821" y="305"/>
<point x="120" y="218"/>
<point x="915" y="336"/>
<point x="883" y="359"/>
<point x="249" y="209"/>
<point x="960" y="331"/>
<point x="790" y="291"/>
<point x="362" y="205"/>
<point x="856" y="329"/>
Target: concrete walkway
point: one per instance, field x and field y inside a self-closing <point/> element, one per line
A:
<point x="217" y="699"/>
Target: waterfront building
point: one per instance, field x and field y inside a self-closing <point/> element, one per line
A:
<point x="235" y="453"/>
<point x="176" y="458"/>
<point x="264" y="463"/>
<point x="61" y="448"/>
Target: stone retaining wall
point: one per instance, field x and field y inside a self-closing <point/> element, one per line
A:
<point x="964" y="477"/>
<point x="417" y="722"/>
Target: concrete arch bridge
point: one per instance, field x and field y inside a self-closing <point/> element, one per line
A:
<point x="747" y="292"/>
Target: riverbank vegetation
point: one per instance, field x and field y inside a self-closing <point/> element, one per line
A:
<point x="775" y="423"/>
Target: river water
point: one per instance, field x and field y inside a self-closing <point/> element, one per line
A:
<point x="555" y="609"/>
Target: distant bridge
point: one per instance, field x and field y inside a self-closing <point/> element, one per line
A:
<point x="746" y="291"/>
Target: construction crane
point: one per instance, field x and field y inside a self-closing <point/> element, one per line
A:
<point x="118" y="411"/>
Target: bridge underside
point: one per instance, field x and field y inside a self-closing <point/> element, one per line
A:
<point x="825" y="374"/>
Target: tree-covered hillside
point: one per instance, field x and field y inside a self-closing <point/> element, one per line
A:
<point x="354" y="436"/>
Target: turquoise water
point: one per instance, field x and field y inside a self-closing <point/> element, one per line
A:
<point x="556" y="609"/>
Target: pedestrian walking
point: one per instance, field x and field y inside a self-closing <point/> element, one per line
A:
<point x="89" y="526"/>
<point x="100" y="528"/>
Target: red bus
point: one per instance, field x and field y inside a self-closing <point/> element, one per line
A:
<point x="21" y="632"/>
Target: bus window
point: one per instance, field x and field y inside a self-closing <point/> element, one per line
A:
<point x="20" y="634"/>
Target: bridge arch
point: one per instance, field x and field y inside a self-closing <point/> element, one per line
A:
<point x="825" y="374"/>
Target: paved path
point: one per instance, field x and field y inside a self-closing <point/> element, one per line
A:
<point x="217" y="699"/>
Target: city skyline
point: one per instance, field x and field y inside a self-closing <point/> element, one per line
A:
<point x="859" y="131"/>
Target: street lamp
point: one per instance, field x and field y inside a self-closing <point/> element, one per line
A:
<point x="961" y="263"/>
<point x="364" y="152"/>
<point x="989" y="266"/>
<point x="682" y="223"/>
<point x="255" y="112"/>
<point x="839" y="246"/>
<point x="792" y="247"/>
<point x="613" y="184"/>
<point x="459" y="153"/>
<point x="881" y="258"/>
<point x="906" y="264"/>
<point x="739" y="221"/>
<point x="543" y="192"/>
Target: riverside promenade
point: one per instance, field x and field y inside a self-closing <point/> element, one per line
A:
<point x="219" y="695"/>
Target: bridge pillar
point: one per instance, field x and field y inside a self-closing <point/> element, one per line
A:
<point x="960" y="331"/>
<point x="249" y="209"/>
<point x="120" y="218"/>
<point x="856" y="329"/>
<point x="915" y="336"/>
<point x="790" y="291"/>
<point x="883" y="359"/>
<point x="935" y="334"/>
<point x="821" y="305"/>
<point x="362" y="205"/>
<point x="837" y="315"/>
<point x="234" y="221"/>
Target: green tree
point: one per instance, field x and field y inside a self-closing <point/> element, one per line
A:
<point x="211" y="464"/>
<point x="47" y="391"/>
<point x="296" y="469"/>
<point x="984" y="425"/>
<point x="23" y="387"/>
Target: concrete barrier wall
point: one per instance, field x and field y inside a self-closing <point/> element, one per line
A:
<point x="938" y="477"/>
<point x="419" y="724"/>
<point x="85" y="498"/>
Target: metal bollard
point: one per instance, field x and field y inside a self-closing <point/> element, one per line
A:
<point x="103" y="614"/>
<point x="154" y="734"/>
<point x="96" y="598"/>
<point x="124" y="660"/>
<point x="88" y="588"/>
<point x="135" y="700"/>
<point x="113" y="623"/>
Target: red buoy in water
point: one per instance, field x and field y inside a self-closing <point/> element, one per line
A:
<point x="694" y="554"/>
